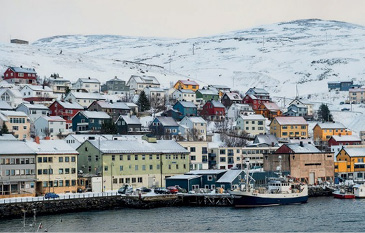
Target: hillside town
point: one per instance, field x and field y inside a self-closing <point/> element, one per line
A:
<point x="66" y="137"/>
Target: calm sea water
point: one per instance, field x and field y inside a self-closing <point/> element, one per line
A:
<point x="319" y="214"/>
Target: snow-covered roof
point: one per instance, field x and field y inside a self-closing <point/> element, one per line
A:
<point x="51" y="147"/>
<point x="155" y="89"/>
<point x="131" y="105"/>
<point x="35" y="106"/>
<point x="23" y="70"/>
<point x="331" y="125"/>
<point x="304" y="148"/>
<point x="355" y="152"/>
<point x="14" y="113"/>
<point x="38" y="88"/>
<point x="83" y="95"/>
<point x="5" y="106"/>
<point x="346" y="138"/>
<point x="7" y="137"/>
<point x="197" y="120"/>
<point x="89" y="80"/>
<point x="233" y="96"/>
<point x="145" y="79"/>
<point x="130" y="120"/>
<point x="258" y="91"/>
<point x="219" y="86"/>
<point x="15" y="147"/>
<point x="95" y="115"/>
<point x="252" y="117"/>
<point x="208" y="92"/>
<point x="12" y="91"/>
<point x="83" y="137"/>
<point x="167" y="121"/>
<point x="187" y="104"/>
<point x="53" y="118"/>
<point x="116" y="105"/>
<point x="217" y="104"/>
<point x="183" y="177"/>
<point x="189" y="82"/>
<point x="288" y="120"/>
<point x="139" y="146"/>
<point x="68" y="105"/>
<point x="271" y="106"/>
<point x="229" y="176"/>
<point x="356" y="90"/>
<point x="205" y="172"/>
<point x="268" y="139"/>
<point x="186" y="91"/>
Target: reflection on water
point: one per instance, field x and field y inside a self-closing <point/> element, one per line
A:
<point x="319" y="214"/>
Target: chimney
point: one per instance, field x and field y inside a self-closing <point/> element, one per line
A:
<point x="36" y="140"/>
<point x="21" y="66"/>
<point x="89" y="77"/>
<point x="47" y="138"/>
<point x="301" y="144"/>
<point x="272" y="144"/>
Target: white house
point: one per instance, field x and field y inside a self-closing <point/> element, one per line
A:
<point x="12" y="96"/>
<point x="155" y="95"/>
<point x="59" y="84"/>
<point x="83" y="99"/>
<point x="253" y="124"/>
<point x="91" y="85"/>
<point x="184" y="95"/>
<point x="306" y="103"/>
<point x="51" y="126"/>
<point x="236" y="110"/>
<point x="193" y="128"/>
<point x="29" y="91"/>
<point x="33" y="110"/>
<point x="139" y="83"/>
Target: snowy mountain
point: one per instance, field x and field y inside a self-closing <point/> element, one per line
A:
<point x="307" y="53"/>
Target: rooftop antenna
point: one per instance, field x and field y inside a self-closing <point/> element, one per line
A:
<point x="193" y="48"/>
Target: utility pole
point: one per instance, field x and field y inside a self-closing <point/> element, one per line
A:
<point x="263" y="41"/>
<point x="193" y="48"/>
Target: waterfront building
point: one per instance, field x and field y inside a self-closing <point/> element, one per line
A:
<point x="75" y="140"/>
<point x="349" y="163"/>
<point x="56" y="166"/>
<point x="289" y="127"/>
<point x="135" y="160"/>
<point x="17" y="169"/>
<point x="198" y="154"/>
<point x="303" y="161"/>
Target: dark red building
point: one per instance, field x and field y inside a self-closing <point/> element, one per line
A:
<point x="66" y="110"/>
<point x="254" y="102"/>
<point x="213" y="110"/>
<point x="339" y="140"/>
<point x="20" y="75"/>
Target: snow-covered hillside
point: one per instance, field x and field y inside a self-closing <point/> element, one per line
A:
<point x="279" y="57"/>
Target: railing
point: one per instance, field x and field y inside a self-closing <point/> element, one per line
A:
<point x="61" y="197"/>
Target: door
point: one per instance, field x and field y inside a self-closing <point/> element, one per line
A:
<point x="311" y="177"/>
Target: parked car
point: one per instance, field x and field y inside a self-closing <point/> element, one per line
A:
<point x="173" y="189"/>
<point x="342" y="103"/>
<point x="345" y="109"/>
<point x="161" y="191"/>
<point x="126" y="189"/>
<point x="51" y="195"/>
<point x="143" y="189"/>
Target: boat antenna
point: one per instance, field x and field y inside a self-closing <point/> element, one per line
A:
<point x="247" y="176"/>
<point x="280" y="173"/>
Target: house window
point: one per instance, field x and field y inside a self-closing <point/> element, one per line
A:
<point x="210" y="178"/>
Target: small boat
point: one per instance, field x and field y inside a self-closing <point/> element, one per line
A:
<point x="343" y="194"/>
<point x="359" y="190"/>
<point x="280" y="191"/>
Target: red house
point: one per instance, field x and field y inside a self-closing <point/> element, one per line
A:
<point x="213" y="110"/>
<point x="254" y="102"/>
<point x="66" y="110"/>
<point x="20" y="75"/>
<point x="339" y="140"/>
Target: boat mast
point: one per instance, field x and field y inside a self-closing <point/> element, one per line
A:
<point x="247" y="176"/>
<point x="280" y="173"/>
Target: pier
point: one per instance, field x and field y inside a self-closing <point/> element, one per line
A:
<point x="205" y="199"/>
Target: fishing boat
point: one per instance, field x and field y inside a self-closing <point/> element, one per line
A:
<point x="343" y="194"/>
<point x="279" y="191"/>
<point x="359" y="191"/>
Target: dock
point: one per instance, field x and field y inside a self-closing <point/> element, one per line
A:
<point x="206" y="199"/>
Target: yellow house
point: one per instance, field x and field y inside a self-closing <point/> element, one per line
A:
<point x="18" y="123"/>
<point x="187" y="84"/>
<point x="289" y="127"/>
<point x="350" y="164"/>
<point x="324" y="131"/>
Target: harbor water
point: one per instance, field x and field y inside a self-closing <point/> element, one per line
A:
<point x="320" y="214"/>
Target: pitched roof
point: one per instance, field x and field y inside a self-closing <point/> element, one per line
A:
<point x="95" y="115"/>
<point x="268" y="139"/>
<point x="68" y="105"/>
<point x="197" y="120"/>
<point x="183" y="177"/>
<point x="167" y="121"/>
<point x="130" y="120"/>
<point x="258" y="91"/>
<point x="38" y="88"/>
<point x="89" y="80"/>
<point x="138" y="146"/>
<point x="208" y="92"/>
<point x="116" y="105"/>
<point x="83" y="95"/>
<point x="23" y="70"/>
<point x="145" y="79"/>
<point x="8" y="137"/>
<point x="217" y="104"/>
<point x="14" y="92"/>
<point x="35" y="106"/>
<point x="15" y="147"/>
<point x="331" y="125"/>
<point x="288" y="120"/>
<point x="355" y="152"/>
<point x="305" y="148"/>
<point x="205" y="172"/>
<point x="51" y="147"/>
<point x="229" y="176"/>
<point x="5" y="106"/>
<point x="346" y="138"/>
<point x="252" y="117"/>
<point x="357" y="90"/>
<point x="187" y="104"/>
<point x="271" y="106"/>
<point x="155" y="89"/>
<point x="189" y="82"/>
<point x="14" y="113"/>
<point x="186" y="91"/>
<point x="233" y="96"/>
<point x="53" y="118"/>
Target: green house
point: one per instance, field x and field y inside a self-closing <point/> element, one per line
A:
<point x="203" y="95"/>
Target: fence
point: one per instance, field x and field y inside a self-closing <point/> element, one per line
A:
<point x="61" y="197"/>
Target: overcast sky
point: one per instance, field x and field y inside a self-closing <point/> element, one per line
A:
<point x="35" y="19"/>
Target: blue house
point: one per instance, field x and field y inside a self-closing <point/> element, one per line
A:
<point x="231" y="179"/>
<point x="89" y="121"/>
<point x="187" y="182"/>
<point x="297" y="110"/>
<point x="186" y="109"/>
<point x="209" y="178"/>
<point x="164" y="126"/>
<point x="341" y="85"/>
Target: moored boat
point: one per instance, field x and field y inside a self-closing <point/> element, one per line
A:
<point x="343" y="194"/>
<point x="359" y="191"/>
<point x="280" y="191"/>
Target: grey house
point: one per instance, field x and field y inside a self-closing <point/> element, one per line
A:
<point x="115" y="86"/>
<point x="128" y="125"/>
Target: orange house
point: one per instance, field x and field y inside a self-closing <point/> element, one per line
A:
<point x="187" y="85"/>
<point x="269" y="110"/>
<point x="324" y="131"/>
